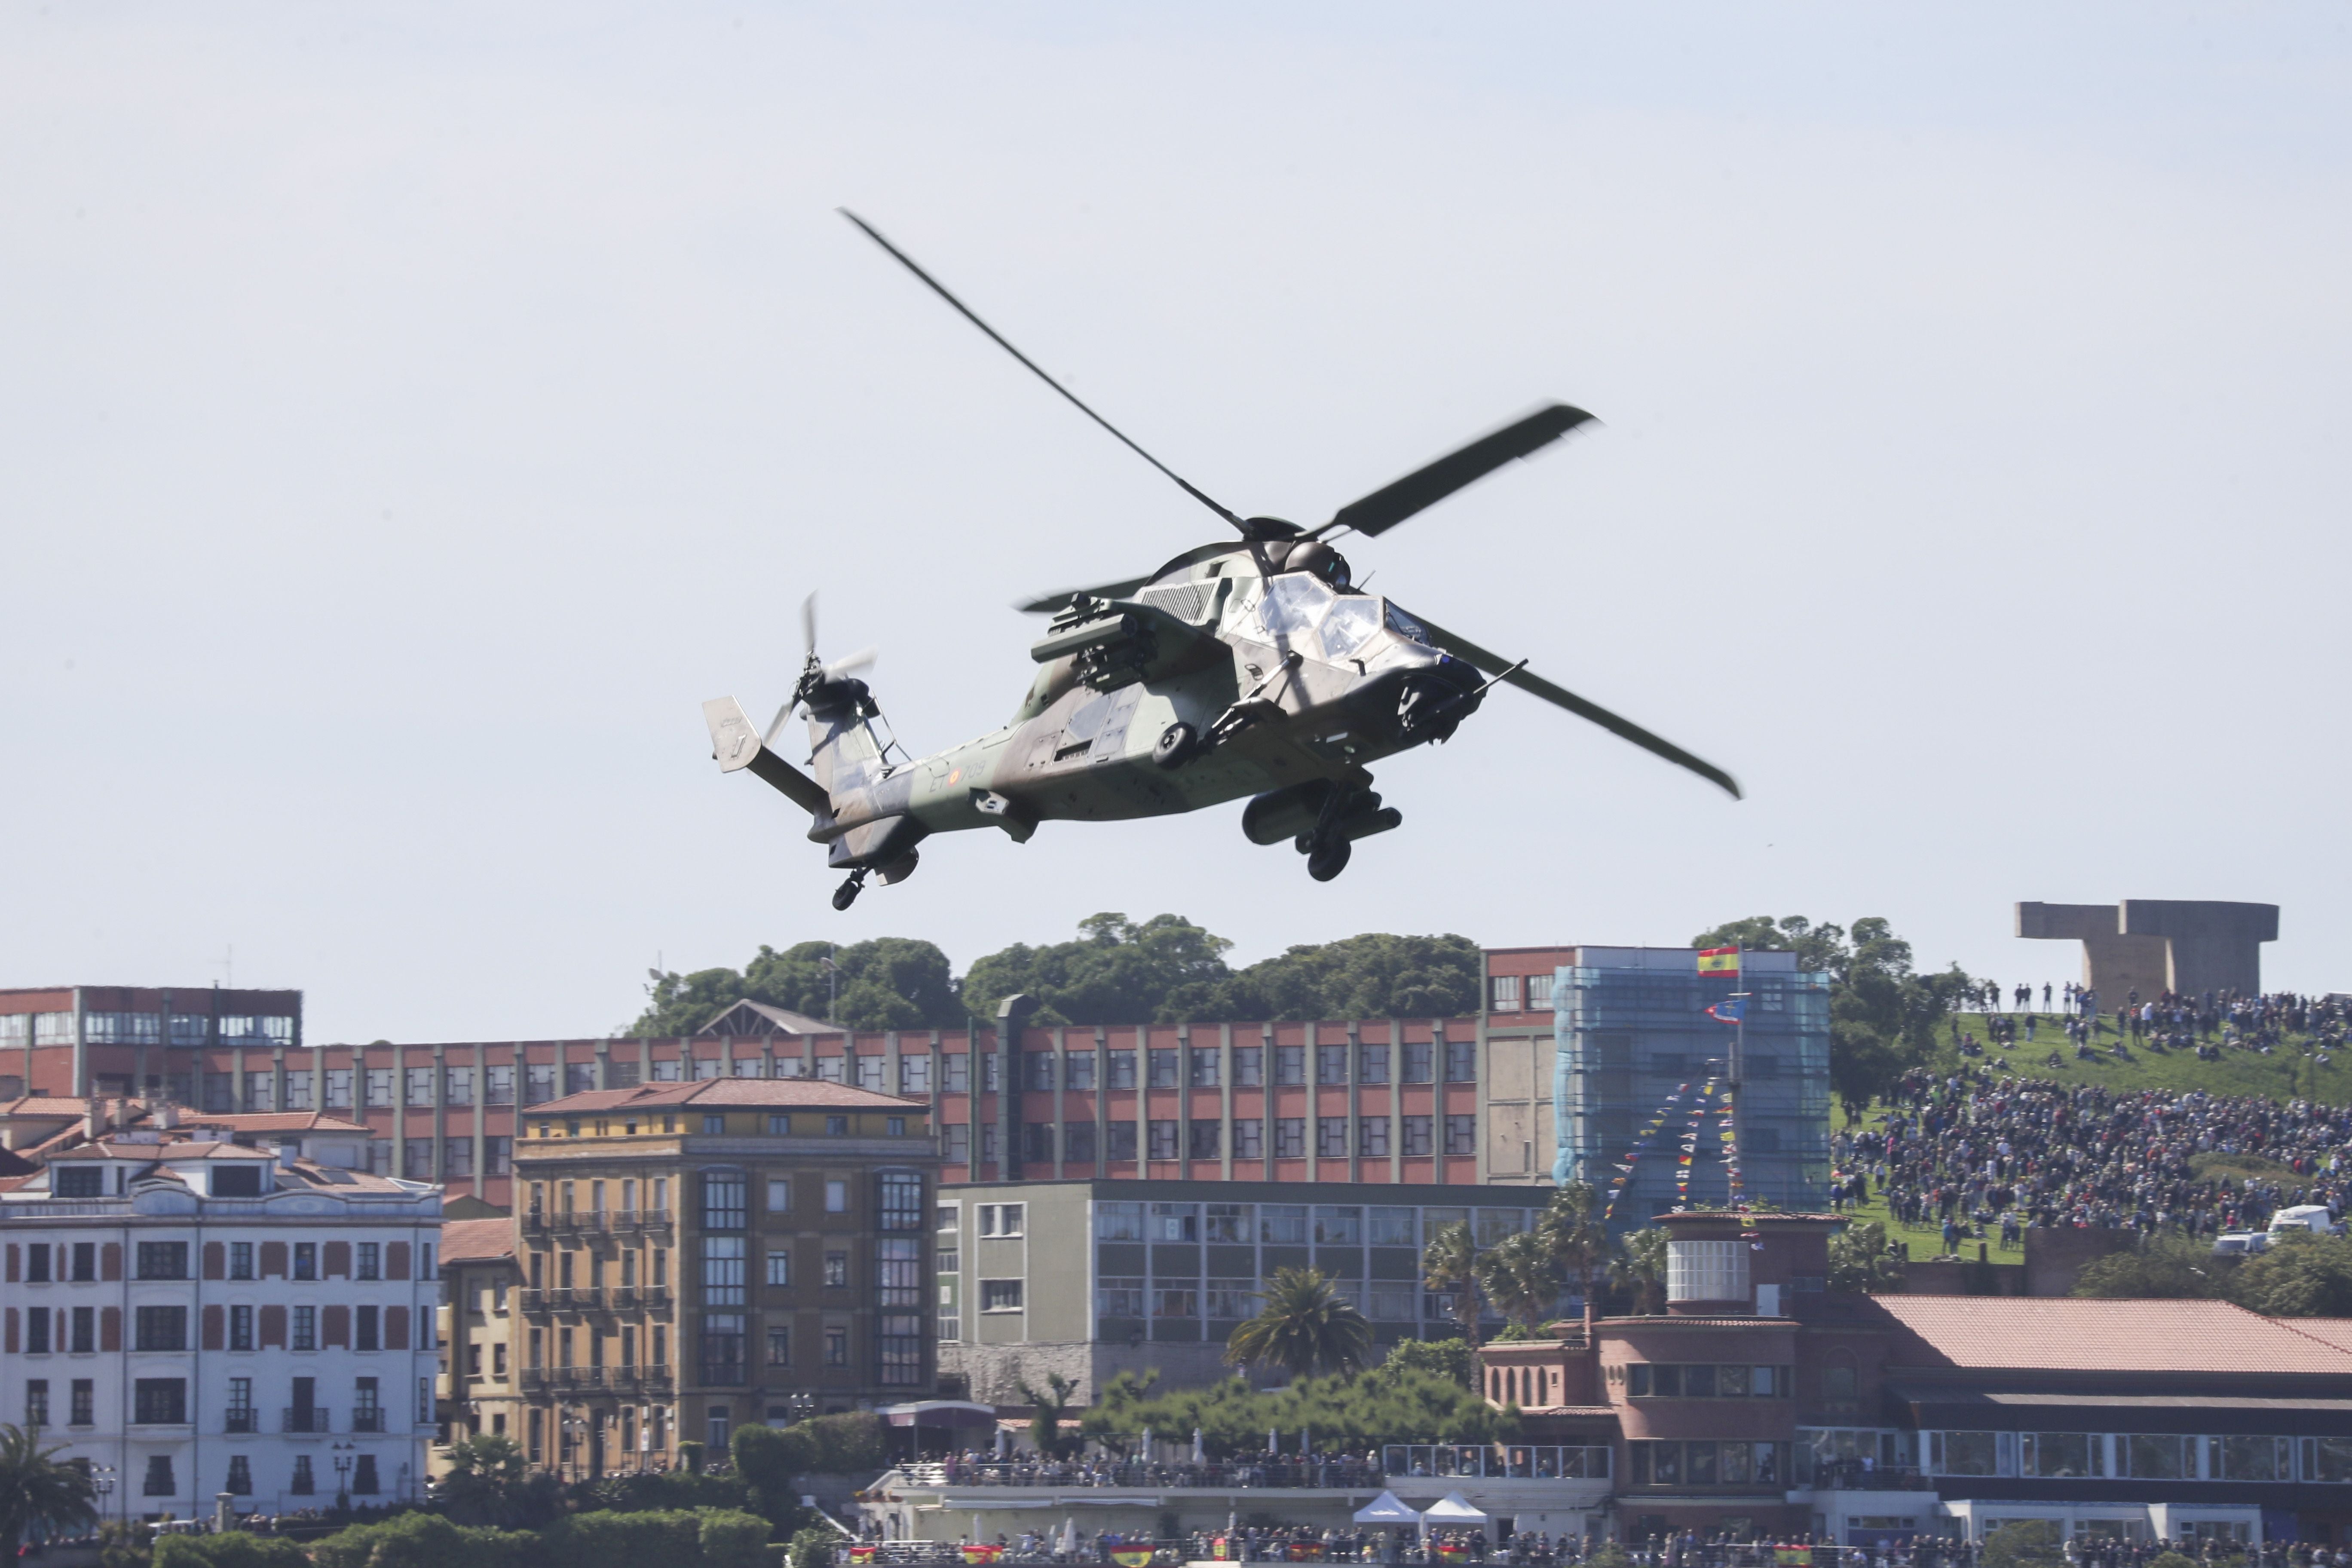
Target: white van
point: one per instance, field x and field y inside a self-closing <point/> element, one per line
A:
<point x="2306" y="1217"/>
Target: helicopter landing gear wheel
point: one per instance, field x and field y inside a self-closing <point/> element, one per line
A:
<point x="847" y="894"/>
<point x="1178" y="744"/>
<point x="1328" y="861"/>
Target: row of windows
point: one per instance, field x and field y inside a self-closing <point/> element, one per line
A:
<point x="1519" y="994"/>
<point x="145" y="1029"/>
<point x="43" y="1263"/>
<point x="1202" y="1066"/>
<point x="898" y="1199"/>
<point x="897" y="1336"/>
<point x="1416" y="1138"/>
<point x="1707" y="1463"/>
<point x="1233" y="1300"/>
<point x="361" y="1479"/>
<point x="2139" y="1455"/>
<point x="1296" y="1225"/>
<point x="163" y="1402"/>
<point x="74" y="1331"/>
<point x="1668" y="1380"/>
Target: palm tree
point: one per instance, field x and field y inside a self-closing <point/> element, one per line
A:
<point x="1520" y="1277"/>
<point x="39" y="1493"/>
<point x="1304" y="1327"/>
<point x="1641" y="1265"/>
<point x="1578" y="1241"/>
<point x="1450" y="1264"/>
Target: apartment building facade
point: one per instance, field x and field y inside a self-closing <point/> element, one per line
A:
<point x="699" y="1255"/>
<point x="226" y="1308"/>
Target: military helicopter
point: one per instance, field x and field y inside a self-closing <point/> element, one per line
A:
<point x="1247" y="666"/>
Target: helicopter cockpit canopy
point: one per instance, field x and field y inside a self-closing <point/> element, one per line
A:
<point x="1298" y="608"/>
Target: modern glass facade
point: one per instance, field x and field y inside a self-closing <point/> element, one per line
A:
<point x="1633" y="1029"/>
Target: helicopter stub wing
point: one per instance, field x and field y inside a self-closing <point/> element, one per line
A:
<point x="1517" y="674"/>
<point x="735" y="744"/>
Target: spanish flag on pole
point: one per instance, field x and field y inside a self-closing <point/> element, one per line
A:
<point x="1719" y="960"/>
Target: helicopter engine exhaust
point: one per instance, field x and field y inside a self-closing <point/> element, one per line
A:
<point x="1293" y="811"/>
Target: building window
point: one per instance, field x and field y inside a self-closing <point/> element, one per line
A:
<point x="899" y="1344"/>
<point x="1118" y="1298"/>
<point x="306" y="1328"/>
<point x="339" y="1088"/>
<point x="723" y="1200"/>
<point x="1416" y="1137"/>
<point x="1122" y="1069"/>
<point x="955" y="1073"/>
<point x="714" y="1125"/>
<point x="498" y="1085"/>
<point x="1078" y="1070"/>
<point x="1503" y="992"/>
<point x="901" y="1200"/>
<point x="1000" y="1295"/>
<point x="457" y="1086"/>
<point x="1079" y="1142"/>
<point x="365" y="1481"/>
<point x="1540" y="992"/>
<point x="1249" y="1138"/>
<point x="836" y="1347"/>
<point x="722" y="1347"/>
<point x="367" y="1260"/>
<point x="1204" y="1073"/>
<point x="1372" y="1136"/>
<point x="1164" y="1135"/>
<point x="1120" y="1146"/>
<point x="1207" y="1137"/>
<point x="36" y="1401"/>
<point x="418" y="1083"/>
<point x="836" y="1269"/>
<point x="1118" y="1222"/>
<point x="1461" y="1061"/>
<point x="159" y="1482"/>
<point x="240" y="1475"/>
<point x="780" y="1269"/>
<point x="83" y="1394"/>
<point x="162" y="1260"/>
<point x="722" y="1270"/>
<point x="85" y="1329"/>
<point x="1164" y="1069"/>
<point x="161" y="1329"/>
<point x="36" y="1330"/>
<point x="869" y="1071"/>
<point x="898" y="1276"/>
<point x="1340" y="1226"/>
<point x="365" y="1331"/>
<point x="915" y="1074"/>
<point x="1461" y="1135"/>
<point x="1416" y="1062"/>
<point x="780" y="1346"/>
<point x="306" y="1257"/>
<point x="1037" y="1072"/>
<point x="1175" y="1222"/>
<point x="1037" y="1143"/>
<point x="1371" y="1064"/>
<point x="297" y="1092"/>
<point x="305" y="1482"/>
<point x="1290" y="1138"/>
<point x="1331" y="1064"/>
<point x="837" y="1198"/>
<point x="992" y="1073"/>
<point x="956" y="1143"/>
<point x="1229" y="1299"/>
<point x="1249" y="1067"/>
<point x="160" y="1401"/>
<point x="240" y="1260"/>
<point x="579" y="1077"/>
<point x="1175" y="1301"/>
<point x="1282" y="1224"/>
<point x="1289" y="1065"/>
<point x="1331" y="1137"/>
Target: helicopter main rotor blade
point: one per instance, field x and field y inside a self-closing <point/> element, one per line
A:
<point x="966" y="311"/>
<point x="1513" y="674"/>
<point x="1060" y="599"/>
<point x="1427" y="486"/>
<point x="808" y="627"/>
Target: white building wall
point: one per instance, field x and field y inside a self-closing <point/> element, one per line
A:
<point x="202" y="1448"/>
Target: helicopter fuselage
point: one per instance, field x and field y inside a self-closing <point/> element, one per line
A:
<point x="1282" y="679"/>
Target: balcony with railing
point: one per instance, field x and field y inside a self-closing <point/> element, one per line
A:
<point x="534" y="1380"/>
<point x="580" y="1298"/>
<point x="235" y="1420"/>
<point x="624" y="1298"/>
<point x="309" y="1419"/>
<point x="367" y="1420"/>
<point x="1520" y="1461"/>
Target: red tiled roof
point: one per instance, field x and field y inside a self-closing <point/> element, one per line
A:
<point x="2337" y="1332"/>
<point x="715" y="1093"/>
<point x="52" y="1105"/>
<point x="476" y="1240"/>
<point x="273" y="1121"/>
<point x="2063" y="1335"/>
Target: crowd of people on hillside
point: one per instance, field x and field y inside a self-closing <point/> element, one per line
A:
<point x="2209" y="1024"/>
<point x="1974" y="1151"/>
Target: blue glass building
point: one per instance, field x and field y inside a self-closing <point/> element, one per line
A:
<point x="1632" y="1029"/>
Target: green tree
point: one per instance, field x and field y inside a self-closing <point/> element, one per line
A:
<point x="1306" y="1327"/>
<point x="1860" y="1260"/>
<point x="125" y="1543"/>
<point x="1448" y="1358"/>
<point x="1371" y="976"/>
<point x="1449" y="1265"/>
<point x="1640" y="1266"/>
<point x="1351" y="1414"/>
<point x="1047" y="1411"/>
<point x="40" y="1494"/>
<point x="1572" y="1229"/>
<point x="1116" y="972"/>
<point x="2301" y="1276"/>
<point x="489" y="1483"/>
<point x="240" y="1549"/>
<point x="1521" y="1276"/>
<point x="888" y="983"/>
<point x="2164" y="1267"/>
<point x="2025" y="1544"/>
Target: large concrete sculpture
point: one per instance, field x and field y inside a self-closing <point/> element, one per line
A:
<point x="2150" y="946"/>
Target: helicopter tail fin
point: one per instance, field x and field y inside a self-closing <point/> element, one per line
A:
<point x="736" y="745"/>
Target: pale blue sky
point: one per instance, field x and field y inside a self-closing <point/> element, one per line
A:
<point x="409" y="413"/>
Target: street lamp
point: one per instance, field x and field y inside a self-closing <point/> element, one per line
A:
<point x="101" y="1481"/>
<point x="344" y="1453"/>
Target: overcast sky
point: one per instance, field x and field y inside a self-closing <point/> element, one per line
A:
<point x="410" y="414"/>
